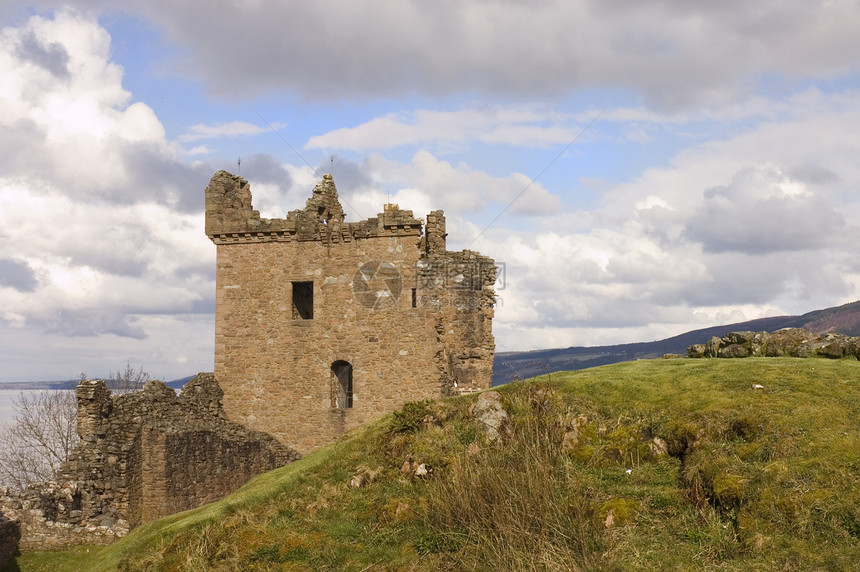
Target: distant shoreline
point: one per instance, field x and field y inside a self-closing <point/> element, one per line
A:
<point x="30" y="385"/>
<point x="68" y="384"/>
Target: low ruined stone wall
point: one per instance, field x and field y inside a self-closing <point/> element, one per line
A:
<point x="46" y="516"/>
<point x="142" y="455"/>
<point x="151" y="453"/>
<point x="10" y="535"/>
<point x="788" y="342"/>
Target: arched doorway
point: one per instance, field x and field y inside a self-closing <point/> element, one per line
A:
<point x="341" y="385"/>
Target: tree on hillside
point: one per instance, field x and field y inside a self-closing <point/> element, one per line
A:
<point x="44" y="430"/>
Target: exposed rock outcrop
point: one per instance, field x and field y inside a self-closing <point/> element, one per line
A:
<point x="790" y="342"/>
<point x="488" y="409"/>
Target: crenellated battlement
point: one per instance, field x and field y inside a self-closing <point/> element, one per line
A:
<point x="231" y="218"/>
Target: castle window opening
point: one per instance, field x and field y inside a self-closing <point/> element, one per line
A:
<point x="303" y="300"/>
<point x="341" y="385"/>
<point x="77" y="501"/>
<point x="414" y="298"/>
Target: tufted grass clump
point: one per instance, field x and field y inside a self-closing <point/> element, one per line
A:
<point x="672" y="464"/>
<point x="518" y="504"/>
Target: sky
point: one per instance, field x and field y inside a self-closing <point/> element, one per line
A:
<point x="640" y="168"/>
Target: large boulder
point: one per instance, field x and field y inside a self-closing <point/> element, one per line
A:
<point x="712" y="348"/>
<point x="790" y="342"/>
<point x="696" y="351"/>
<point x="836" y="346"/>
<point x="734" y="351"/>
<point x="759" y="344"/>
<point x="491" y="414"/>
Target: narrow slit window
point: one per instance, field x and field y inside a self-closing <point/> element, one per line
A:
<point x="341" y="385"/>
<point x="303" y="300"/>
<point x="414" y="298"/>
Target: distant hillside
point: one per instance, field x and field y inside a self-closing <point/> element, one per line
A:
<point x="73" y="384"/>
<point x="681" y="464"/>
<point x="508" y="366"/>
<point x="179" y="383"/>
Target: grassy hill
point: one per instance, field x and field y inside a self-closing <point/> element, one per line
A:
<point x="648" y="465"/>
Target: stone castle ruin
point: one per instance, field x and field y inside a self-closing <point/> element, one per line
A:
<point x="142" y="455"/>
<point x="322" y="324"/>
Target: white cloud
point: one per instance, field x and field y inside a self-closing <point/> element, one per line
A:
<point x="753" y="225"/>
<point x="334" y="50"/>
<point x="751" y="106"/>
<point x="459" y="189"/>
<point x="764" y="211"/>
<point x="201" y="150"/>
<point x="77" y="131"/>
<point x="99" y="236"/>
<point x="484" y="124"/>
<point x="229" y="129"/>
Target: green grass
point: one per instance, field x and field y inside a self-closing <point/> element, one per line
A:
<point x="756" y="479"/>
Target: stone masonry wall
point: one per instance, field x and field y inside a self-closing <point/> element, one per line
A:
<point x="147" y="454"/>
<point x="48" y="516"/>
<point x="10" y="535"/>
<point x="142" y="455"/>
<point x="452" y="285"/>
<point x="412" y="319"/>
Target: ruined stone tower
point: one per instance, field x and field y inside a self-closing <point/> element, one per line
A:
<point x="321" y="325"/>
